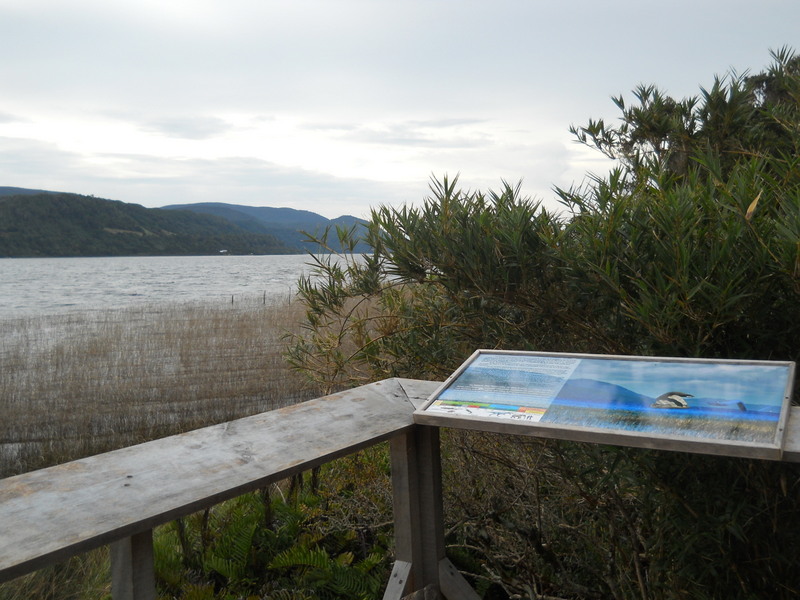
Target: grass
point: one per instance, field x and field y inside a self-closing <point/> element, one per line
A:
<point x="83" y="577"/>
<point x="79" y="384"/>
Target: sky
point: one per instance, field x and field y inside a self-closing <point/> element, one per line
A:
<point x="755" y="384"/>
<point x="337" y="106"/>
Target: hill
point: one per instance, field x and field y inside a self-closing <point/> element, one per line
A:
<point x="286" y="224"/>
<point x="36" y="224"/>
<point x="16" y="191"/>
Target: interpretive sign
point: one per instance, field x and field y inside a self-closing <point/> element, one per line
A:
<point x="729" y="407"/>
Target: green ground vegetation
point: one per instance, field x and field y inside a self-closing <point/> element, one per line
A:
<point x="324" y="536"/>
<point x="689" y="246"/>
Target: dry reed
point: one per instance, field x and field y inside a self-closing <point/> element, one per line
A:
<point x="78" y="384"/>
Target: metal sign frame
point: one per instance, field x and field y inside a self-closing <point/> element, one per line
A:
<point x="724" y="407"/>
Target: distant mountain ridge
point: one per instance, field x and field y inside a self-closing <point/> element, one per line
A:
<point x="287" y="224"/>
<point x="41" y="223"/>
<point x="17" y="191"/>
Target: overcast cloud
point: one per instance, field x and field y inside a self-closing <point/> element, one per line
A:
<point x="338" y="105"/>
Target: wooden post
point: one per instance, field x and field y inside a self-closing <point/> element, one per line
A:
<point x="132" y="573"/>
<point x="418" y="523"/>
<point x="407" y="572"/>
<point x="431" y="527"/>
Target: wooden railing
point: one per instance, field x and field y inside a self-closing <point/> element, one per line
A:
<point x="118" y="498"/>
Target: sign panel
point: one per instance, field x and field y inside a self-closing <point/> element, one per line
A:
<point x="729" y="407"/>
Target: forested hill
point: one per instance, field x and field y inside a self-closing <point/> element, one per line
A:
<point x="287" y="224"/>
<point x="60" y="224"/>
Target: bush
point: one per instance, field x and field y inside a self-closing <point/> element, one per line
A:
<point x="691" y="247"/>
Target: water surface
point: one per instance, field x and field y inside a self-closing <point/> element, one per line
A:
<point x="38" y="286"/>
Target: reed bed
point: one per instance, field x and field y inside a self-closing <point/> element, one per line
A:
<point x="82" y="383"/>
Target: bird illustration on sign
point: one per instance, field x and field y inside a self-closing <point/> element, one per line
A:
<point x="672" y="400"/>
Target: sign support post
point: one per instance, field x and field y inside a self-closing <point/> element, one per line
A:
<point x="420" y="562"/>
<point x="132" y="572"/>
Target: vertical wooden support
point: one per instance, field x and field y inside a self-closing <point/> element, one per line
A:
<point x="418" y="522"/>
<point x="132" y="573"/>
<point x="405" y="489"/>
<point x="431" y="527"/>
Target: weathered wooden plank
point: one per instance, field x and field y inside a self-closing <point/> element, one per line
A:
<point x="51" y="514"/>
<point x="418" y="390"/>
<point x="405" y="492"/>
<point x="418" y="518"/>
<point x="431" y="526"/>
<point x="398" y="581"/>
<point x="453" y="584"/>
<point x="132" y="572"/>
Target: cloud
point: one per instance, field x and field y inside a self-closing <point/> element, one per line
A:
<point x="443" y="123"/>
<point x="243" y="180"/>
<point x="455" y="133"/>
<point x="424" y="147"/>
<point x="6" y="117"/>
<point x="191" y="128"/>
<point x="155" y="181"/>
<point x="27" y="163"/>
<point x="413" y="133"/>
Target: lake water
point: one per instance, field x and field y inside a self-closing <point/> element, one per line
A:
<point x="39" y="286"/>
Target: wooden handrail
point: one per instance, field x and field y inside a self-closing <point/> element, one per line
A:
<point x="117" y="498"/>
<point x="57" y="512"/>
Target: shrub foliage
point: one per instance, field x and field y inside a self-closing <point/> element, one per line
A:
<point x="689" y="247"/>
